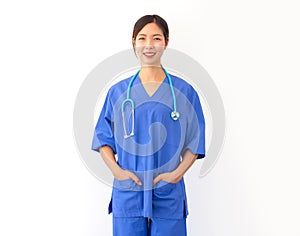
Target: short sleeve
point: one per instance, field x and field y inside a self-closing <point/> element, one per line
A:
<point x="195" y="133"/>
<point x="103" y="134"/>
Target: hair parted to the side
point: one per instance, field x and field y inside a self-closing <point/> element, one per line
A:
<point x="144" y="20"/>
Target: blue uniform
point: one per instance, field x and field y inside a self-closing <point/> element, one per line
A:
<point x="156" y="147"/>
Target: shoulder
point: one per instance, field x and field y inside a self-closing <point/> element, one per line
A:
<point x="117" y="89"/>
<point x="182" y="85"/>
<point x="120" y="85"/>
<point x="184" y="88"/>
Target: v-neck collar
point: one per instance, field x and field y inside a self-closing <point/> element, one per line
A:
<point x="144" y="91"/>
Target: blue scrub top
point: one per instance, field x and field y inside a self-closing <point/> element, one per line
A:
<point x="156" y="147"/>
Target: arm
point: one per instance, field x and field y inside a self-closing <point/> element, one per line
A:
<point x="177" y="174"/>
<point x="119" y="173"/>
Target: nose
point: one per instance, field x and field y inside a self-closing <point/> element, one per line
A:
<point x="149" y="43"/>
<point x="149" y="46"/>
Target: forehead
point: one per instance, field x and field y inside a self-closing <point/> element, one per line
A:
<point x="151" y="28"/>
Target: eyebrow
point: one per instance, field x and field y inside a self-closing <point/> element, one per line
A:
<point x="152" y="35"/>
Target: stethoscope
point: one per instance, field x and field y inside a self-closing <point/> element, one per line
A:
<point x="174" y="114"/>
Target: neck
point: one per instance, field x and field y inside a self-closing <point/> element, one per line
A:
<point x="152" y="74"/>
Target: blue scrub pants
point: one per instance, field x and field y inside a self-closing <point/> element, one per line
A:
<point x="141" y="226"/>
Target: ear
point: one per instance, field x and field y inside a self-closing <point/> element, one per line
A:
<point x="166" y="44"/>
<point x="133" y="42"/>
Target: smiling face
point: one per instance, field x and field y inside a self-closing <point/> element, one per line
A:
<point x="150" y="44"/>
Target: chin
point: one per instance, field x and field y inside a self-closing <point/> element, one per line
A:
<point x="143" y="64"/>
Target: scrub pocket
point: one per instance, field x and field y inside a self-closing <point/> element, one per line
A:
<point x="124" y="184"/>
<point x="164" y="188"/>
<point x="168" y="200"/>
<point x="126" y="198"/>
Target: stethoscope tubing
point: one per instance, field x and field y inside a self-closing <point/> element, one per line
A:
<point x="174" y="114"/>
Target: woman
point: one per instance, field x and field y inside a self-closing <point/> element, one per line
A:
<point x="150" y="131"/>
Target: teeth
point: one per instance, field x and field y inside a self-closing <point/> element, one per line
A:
<point x="149" y="53"/>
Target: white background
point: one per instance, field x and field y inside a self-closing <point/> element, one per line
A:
<point x="251" y="50"/>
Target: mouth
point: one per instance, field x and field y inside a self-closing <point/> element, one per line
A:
<point x="149" y="54"/>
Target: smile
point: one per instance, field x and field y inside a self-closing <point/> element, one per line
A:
<point x="149" y="54"/>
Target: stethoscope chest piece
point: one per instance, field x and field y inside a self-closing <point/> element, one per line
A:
<point x="175" y="115"/>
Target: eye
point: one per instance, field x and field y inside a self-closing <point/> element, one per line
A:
<point x="141" y="38"/>
<point x="158" y="39"/>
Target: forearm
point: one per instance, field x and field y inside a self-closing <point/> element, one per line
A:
<point x="188" y="160"/>
<point x="108" y="157"/>
<point x="119" y="173"/>
<point x="177" y="174"/>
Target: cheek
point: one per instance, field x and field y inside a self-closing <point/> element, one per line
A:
<point x="160" y="48"/>
<point x="139" y="44"/>
<point x="138" y="50"/>
<point x="162" y="43"/>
